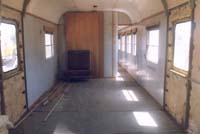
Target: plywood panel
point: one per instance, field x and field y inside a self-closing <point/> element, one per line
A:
<point x="84" y="31"/>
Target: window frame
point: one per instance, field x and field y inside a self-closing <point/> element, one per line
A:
<point x="134" y="44"/>
<point x="129" y="43"/>
<point x="119" y="43"/>
<point x="123" y="46"/>
<point x="18" y="69"/>
<point x="52" y="45"/>
<point x="150" y="28"/>
<point x="178" y="70"/>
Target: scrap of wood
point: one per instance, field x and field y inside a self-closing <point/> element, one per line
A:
<point x="57" y="103"/>
<point x="43" y="99"/>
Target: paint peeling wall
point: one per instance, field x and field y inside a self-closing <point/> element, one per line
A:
<point x="150" y="76"/>
<point x="194" y="119"/>
<point x="14" y="86"/>
<point x="41" y="72"/>
<point x="176" y="85"/>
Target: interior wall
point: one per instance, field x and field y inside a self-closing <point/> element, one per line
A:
<point x="14" y="86"/>
<point x="148" y="75"/>
<point x="61" y="48"/>
<point x="41" y="72"/>
<point x="110" y="46"/>
<point x="84" y="31"/>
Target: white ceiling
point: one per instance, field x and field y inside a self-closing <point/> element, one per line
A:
<point x="53" y="9"/>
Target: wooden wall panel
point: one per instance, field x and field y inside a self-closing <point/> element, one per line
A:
<point x="84" y="31"/>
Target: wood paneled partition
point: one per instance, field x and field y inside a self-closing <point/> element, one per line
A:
<point x="84" y="31"/>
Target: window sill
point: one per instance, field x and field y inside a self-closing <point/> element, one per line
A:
<point x="11" y="74"/>
<point x="179" y="74"/>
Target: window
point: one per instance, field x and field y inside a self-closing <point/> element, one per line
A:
<point x="182" y="46"/>
<point x="9" y="53"/>
<point x="134" y="42"/>
<point x="123" y="43"/>
<point x="153" y="45"/>
<point x="129" y="44"/>
<point x="119" y="44"/>
<point x="49" y="45"/>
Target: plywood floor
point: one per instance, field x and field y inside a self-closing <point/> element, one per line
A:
<point x="102" y="106"/>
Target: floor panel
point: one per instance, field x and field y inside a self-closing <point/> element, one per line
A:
<point x="105" y="106"/>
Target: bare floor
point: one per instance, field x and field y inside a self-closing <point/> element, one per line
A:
<point x="105" y="106"/>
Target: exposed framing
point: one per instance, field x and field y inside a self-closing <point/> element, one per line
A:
<point x="189" y="85"/>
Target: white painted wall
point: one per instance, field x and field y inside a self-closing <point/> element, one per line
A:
<point x="40" y="72"/>
<point x="150" y="76"/>
<point x="108" y="44"/>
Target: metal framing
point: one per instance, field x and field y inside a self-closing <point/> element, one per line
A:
<point x="189" y="84"/>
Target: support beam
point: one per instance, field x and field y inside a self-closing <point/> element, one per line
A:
<point x="165" y="5"/>
<point x="25" y="4"/>
<point x="192" y="4"/>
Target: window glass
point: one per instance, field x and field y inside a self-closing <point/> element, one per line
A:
<point x="8" y="47"/>
<point x="129" y="44"/>
<point x="134" y="40"/>
<point x="153" y="46"/>
<point x="123" y="43"/>
<point x="119" y="44"/>
<point x="49" y="50"/>
<point x="182" y="45"/>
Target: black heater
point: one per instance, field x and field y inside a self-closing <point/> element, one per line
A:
<point x="79" y="62"/>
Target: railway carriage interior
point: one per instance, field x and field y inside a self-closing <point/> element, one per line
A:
<point x="99" y="66"/>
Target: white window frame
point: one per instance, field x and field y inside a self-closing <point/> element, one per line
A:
<point x="134" y="44"/>
<point x="129" y="43"/>
<point x="149" y="46"/>
<point x="177" y="69"/>
<point x="12" y="72"/>
<point x="119" y="43"/>
<point x="123" y="43"/>
<point x="51" y="45"/>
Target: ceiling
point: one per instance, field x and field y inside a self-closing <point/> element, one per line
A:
<point x="52" y="10"/>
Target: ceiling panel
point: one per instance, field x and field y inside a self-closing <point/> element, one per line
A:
<point x="50" y="9"/>
<point x="53" y="9"/>
<point x="174" y="3"/>
<point x="14" y="3"/>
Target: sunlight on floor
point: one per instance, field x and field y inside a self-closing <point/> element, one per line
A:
<point x="130" y="95"/>
<point x="119" y="77"/>
<point x="62" y="129"/>
<point x="145" y="119"/>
